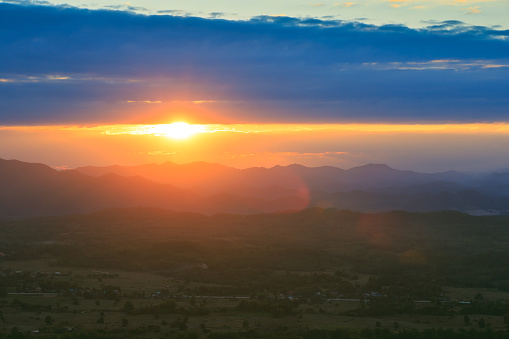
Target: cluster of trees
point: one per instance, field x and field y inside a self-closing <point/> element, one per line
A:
<point x="166" y="307"/>
<point x="277" y="308"/>
<point x="30" y="307"/>
<point x="284" y="333"/>
<point x="486" y="307"/>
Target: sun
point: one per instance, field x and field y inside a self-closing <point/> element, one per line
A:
<point x="178" y="130"/>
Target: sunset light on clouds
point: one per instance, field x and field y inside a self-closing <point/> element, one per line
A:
<point x="168" y="81"/>
<point x="427" y="147"/>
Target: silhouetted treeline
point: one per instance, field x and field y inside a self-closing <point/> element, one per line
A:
<point x="282" y="333"/>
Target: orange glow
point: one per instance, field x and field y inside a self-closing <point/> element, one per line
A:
<point x="422" y="147"/>
<point x="184" y="128"/>
<point x="167" y="129"/>
<point x="177" y="130"/>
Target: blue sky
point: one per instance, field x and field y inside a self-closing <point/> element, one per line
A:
<point x="412" y="13"/>
<point x="69" y="65"/>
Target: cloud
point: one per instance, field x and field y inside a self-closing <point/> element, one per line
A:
<point x="345" y="4"/>
<point x="61" y="167"/>
<point x="178" y="12"/>
<point x="159" y="153"/>
<point x="474" y="1"/>
<point x="143" y="102"/>
<point x="28" y="2"/>
<point x="216" y="15"/>
<point x="397" y="3"/>
<point x="458" y="65"/>
<point x="127" y="7"/>
<point x="494" y="66"/>
<point x="39" y="78"/>
<point x="170" y="11"/>
<point x="473" y="10"/>
<point x="70" y="65"/>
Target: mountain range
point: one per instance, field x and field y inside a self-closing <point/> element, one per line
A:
<point x="28" y="189"/>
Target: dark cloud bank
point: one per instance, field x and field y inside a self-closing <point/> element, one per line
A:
<point x="69" y="65"/>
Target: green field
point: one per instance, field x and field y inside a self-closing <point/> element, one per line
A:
<point x="155" y="274"/>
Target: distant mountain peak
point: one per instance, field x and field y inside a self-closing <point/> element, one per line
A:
<point x="18" y="165"/>
<point x="373" y="167"/>
<point x="296" y="165"/>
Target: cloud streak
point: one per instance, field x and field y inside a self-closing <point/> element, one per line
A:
<point x="70" y="65"/>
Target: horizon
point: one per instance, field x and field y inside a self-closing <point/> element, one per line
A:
<point x="457" y="146"/>
<point x="212" y="163"/>
<point x="64" y="168"/>
<point x="109" y="84"/>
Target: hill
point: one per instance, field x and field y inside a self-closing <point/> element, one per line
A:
<point x="28" y="189"/>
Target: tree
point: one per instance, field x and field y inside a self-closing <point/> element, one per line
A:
<point x="180" y="323"/>
<point x="48" y="320"/>
<point x="129" y="307"/>
<point x="481" y="323"/>
<point x="101" y="318"/>
<point x="15" y="333"/>
<point x="466" y="319"/>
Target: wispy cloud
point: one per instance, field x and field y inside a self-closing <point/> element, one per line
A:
<point x="42" y="78"/>
<point x="179" y="12"/>
<point x="495" y="66"/>
<point x="284" y="128"/>
<point x="473" y="10"/>
<point x="159" y="153"/>
<point x="216" y="15"/>
<point x="196" y="101"/>
<point x="457" y="65"/>
<point x="460" y="2"/>
<point x="345" y="4"/>
<point x="62" y="167"/>
<point x="127" y="7"/>
<point x="397" y="3"/>
<point x="143" y="102"/>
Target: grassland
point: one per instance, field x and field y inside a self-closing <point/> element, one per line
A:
<point x="156" y="274"/>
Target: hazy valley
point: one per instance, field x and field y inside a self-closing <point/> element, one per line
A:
<point x="190" y="251"/>
<point x="38" y="190"/>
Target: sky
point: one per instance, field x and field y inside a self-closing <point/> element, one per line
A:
<point x="412" y="13"/>
<point x="277" y="82"/>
